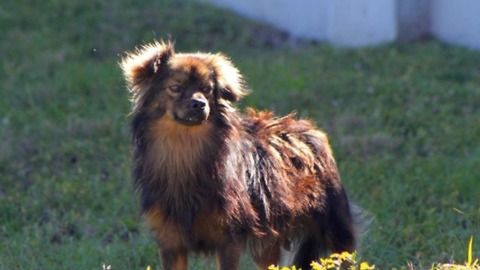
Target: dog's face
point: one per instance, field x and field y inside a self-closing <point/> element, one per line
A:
<point x="182" y="87"/>
<point x="188" y="90"/>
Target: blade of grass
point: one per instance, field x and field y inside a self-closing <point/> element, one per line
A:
<point x="470" y="245"/>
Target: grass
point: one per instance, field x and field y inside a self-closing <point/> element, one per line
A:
<point x="403" y="119"/>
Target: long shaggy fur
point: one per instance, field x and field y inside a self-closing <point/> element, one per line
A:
<point x="212" y="180"/>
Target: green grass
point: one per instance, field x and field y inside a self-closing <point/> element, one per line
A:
<point x="403" y="119"/>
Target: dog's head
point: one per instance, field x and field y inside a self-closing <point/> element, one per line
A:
<point x="183" y="87"/>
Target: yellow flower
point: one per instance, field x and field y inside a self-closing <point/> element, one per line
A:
<point x="365" y="266"/>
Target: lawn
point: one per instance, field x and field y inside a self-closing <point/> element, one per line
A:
<point x="403" y="120"/>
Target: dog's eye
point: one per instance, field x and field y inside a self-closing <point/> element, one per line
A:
<point x="207" y="89"/>
<point x="176" y="88"/>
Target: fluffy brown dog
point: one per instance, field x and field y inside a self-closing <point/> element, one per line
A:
<point x="212" y="180"/>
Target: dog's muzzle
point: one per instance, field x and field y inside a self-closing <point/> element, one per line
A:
<point x="195" y="112"/>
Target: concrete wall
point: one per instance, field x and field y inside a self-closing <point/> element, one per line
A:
<point x="456" y="21"/>
<point x="355" y="23"/>
<point x="361" y="22"/>
<point x="335" y="21"/>
<point x="304" y="19"/>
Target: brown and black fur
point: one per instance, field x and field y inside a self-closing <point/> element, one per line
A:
<point x="212" y="180"/>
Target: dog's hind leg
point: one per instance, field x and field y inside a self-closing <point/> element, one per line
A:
<point x="266" y="253"/>
<point x="174" y="259"/>
<point x="329" y="229"/>
<point x="228" y="256"/>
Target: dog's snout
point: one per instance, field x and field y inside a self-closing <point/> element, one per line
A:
<point x="197" y="104"/>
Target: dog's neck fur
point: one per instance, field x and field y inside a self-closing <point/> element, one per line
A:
<point x="176" y="150"/>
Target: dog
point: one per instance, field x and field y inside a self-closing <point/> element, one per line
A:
<point x="214" y="181"/>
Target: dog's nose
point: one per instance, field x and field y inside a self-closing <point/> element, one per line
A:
<point x="198" y="105"/>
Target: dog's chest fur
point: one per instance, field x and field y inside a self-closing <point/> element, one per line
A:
<point x="176" y="151"/>
<point x="188" y="208"/>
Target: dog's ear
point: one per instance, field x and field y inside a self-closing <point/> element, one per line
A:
<point x="230" y="83"/>
<point x="143" y="64"/>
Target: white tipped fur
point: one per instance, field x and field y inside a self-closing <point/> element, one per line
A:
<point x="287" y="256"/>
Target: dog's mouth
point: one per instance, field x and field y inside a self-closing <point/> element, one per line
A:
<point x="192" y="120"/>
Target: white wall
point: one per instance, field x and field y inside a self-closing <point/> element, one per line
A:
<point x="456" y="21"/>
<point x="355" y="23"/>
<point x="291" y="17"/>
<point x="305" y="18"/>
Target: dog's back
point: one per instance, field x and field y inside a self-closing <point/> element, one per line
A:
<point x="296" y="190"/>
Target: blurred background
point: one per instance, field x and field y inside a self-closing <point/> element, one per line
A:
<point x="402" y="114"/>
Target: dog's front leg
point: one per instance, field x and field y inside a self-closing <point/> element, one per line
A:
<point x="173" y="259"/>
<point x="228" y="256"/>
